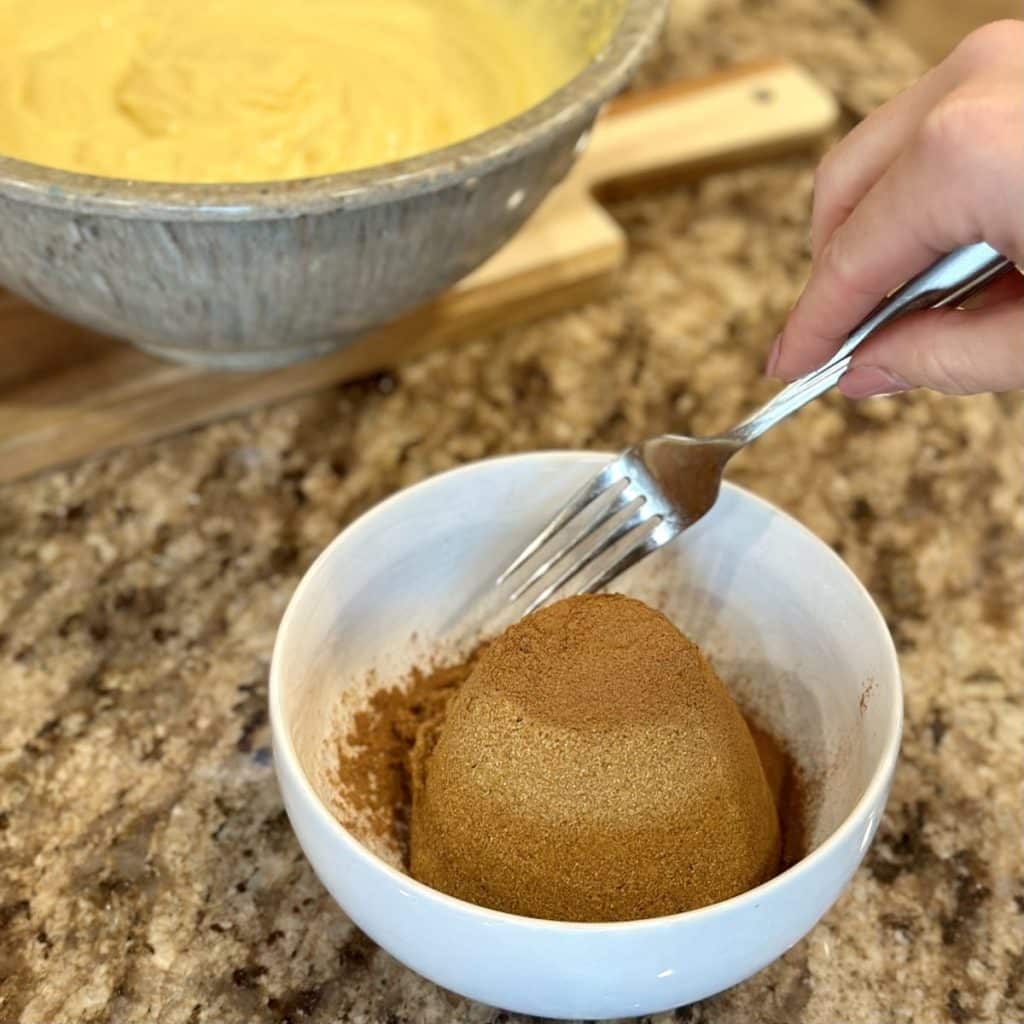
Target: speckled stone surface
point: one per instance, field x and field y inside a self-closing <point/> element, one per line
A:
<point x="147" y="871"/>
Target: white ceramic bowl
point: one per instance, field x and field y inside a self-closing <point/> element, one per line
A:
<point x="790" y="629"/>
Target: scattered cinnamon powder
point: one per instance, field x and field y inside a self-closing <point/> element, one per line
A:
<point x="375" y="763"/>
<point x="373" y="771"/>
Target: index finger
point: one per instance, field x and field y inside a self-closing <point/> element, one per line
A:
<point x="858" y="160"/>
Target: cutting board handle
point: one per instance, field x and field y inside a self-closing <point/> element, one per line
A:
<point x="740" y="114"/>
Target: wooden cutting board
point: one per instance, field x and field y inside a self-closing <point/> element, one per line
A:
<point x="67" y="393"/>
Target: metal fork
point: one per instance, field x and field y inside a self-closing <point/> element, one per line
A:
<point x="659" y="487"/>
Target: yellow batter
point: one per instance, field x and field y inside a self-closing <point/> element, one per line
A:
<point x="255" y="90"/>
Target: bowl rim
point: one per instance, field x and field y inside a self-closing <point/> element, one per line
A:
<point x="286" y="759"/>
<point x="608" y="70"/>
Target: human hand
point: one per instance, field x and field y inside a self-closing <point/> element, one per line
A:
<point x="941" y="165"/>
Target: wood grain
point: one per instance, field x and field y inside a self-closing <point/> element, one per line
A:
<point x="67" y="393"/>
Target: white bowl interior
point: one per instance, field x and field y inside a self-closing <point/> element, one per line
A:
<point x="788" y="627"/>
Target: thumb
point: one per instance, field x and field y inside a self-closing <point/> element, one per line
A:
<point x="958" y="352"/>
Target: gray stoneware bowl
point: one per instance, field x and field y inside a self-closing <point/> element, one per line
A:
<point x="259" y="275"/>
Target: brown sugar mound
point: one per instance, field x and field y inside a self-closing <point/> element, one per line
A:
<point x="591" y="768"/>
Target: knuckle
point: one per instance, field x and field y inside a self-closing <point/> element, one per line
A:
<point x="974" y="131"/>
<point x="944" y="370"/>
<point x="949" y="131"/>
<point x="841" y="266"/>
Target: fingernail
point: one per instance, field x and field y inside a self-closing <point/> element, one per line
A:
<point x="871" y="382"/>
<point x="773" y="356"/>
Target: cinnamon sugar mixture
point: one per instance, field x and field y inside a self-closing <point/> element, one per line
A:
<point x="588" y="679"/>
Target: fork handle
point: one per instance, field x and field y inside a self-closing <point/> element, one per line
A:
<point x="946" y="282"/>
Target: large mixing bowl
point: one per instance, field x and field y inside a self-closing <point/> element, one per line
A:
<point x="257" y="275"/>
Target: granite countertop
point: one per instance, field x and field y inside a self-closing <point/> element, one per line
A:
<point x="147" y="870"/>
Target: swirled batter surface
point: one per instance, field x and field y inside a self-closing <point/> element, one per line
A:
<point x="256" y="90"/>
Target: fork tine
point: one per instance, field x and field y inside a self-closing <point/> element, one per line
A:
<point x="627" y="527"/>
<point x="629" y="558"/>
<point x="589" y="492"/>
<point x="619" y="503"/>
